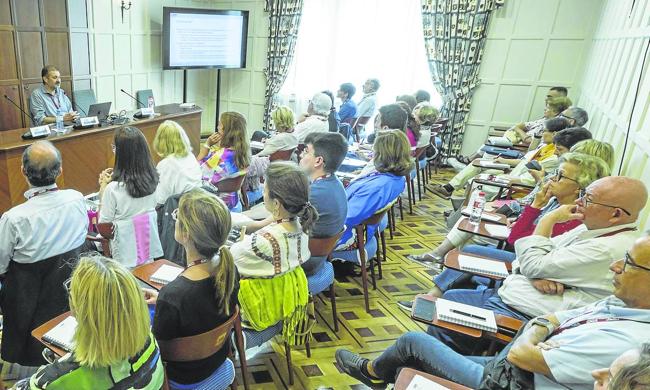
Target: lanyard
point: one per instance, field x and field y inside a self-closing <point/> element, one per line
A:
<point x="617" y="231"/>
<point x="56" y="102"/>
<point x="197" y="262"/>
<point x="40" y="192"/>
<point x="325" y="176"/>
<point x="562" y="328"/>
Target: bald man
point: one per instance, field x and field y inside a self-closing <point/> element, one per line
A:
<point x="52" y="222"/>
<point x="567" y="271"/>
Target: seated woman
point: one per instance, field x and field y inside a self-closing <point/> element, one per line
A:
<point x="546" y="155"/>
<point x="412" y="127"/>
<point x="425" y="116"/>
<point x="204" y="296"/>
<point x="575" y="173"/>
<point x="178" y="170"/>
<point x="226" y="154"/>
<point x="128" y="198"/>
<point x="374" y="191"/>
<point x="113" y="347"/>
<point x="274" y="286"/>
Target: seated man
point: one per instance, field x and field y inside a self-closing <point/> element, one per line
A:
<point x="50" y="223"/>
<point x="348" y="109"/>
<point x="315" y="120"/>
<point x="575" y="115"/>
<point x="320" y="160"/>
<point x="49" y="98"/>
<point x="367" y="104"/>
<point x="567" y="271"/>
<point x="422" y="96"/>
<point x="559" y="349"/>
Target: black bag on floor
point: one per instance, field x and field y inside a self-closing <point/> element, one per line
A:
<point x="500" y="374"/>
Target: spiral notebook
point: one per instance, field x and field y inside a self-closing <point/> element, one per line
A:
<point x="165" y="274"/>
<point x="466" y="315"/>
<point x="490" y="164"/>
<point x="61" y="335"/>
<point x="482" y="266"/>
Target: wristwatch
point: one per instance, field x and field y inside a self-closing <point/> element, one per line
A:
<point x="541" y="321"/>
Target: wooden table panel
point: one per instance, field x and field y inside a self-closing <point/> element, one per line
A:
<point x="85" y="153"/>
<point x="406" y="375"/>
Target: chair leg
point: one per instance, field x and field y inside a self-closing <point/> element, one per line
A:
<point x="417" y="176"/>
<point x="333" y="302"/>
<point x="241" y="351"/>
<point x="409" y="185"/>
<point x="383" y="252"/>
<point x="401" y="211"/>
<point x="378" y="235"/>
<point x="391" y="221"/>
<point x="372" y="262"/>
<point x="308" y="348"/>
<point x="364" y="271"/>
<point x="287" y="351"/>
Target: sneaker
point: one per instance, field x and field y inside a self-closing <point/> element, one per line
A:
<point x="455" y="164"/>
<point x="440" y="191"/>
<point x="405" y="305"/>
<point x="351" y="364"/>
<point x="427" y="260"/>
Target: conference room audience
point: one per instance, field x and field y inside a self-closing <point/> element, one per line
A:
<point x="348" y="108"/>
<point x="320" y="160"/>
<point x="315" y="120"/>
<point x="49" y="99"/>
<point x="374" y="191"/>
<point x="178" y="171"/>
<point x="128" y="198"/>
<point x="226" y="154"/>
<point x="112" y="345"/>
<point x="273" y="286"/>
<point x="204" y="295"/>
<point x="559" y="349"/>
<point x="368" y="103"/>
<point x="40" y="241"/>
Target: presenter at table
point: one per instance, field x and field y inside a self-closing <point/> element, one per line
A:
<point x="49" y="98"/>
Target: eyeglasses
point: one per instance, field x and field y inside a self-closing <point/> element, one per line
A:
<point x="66" y="285"/>
<point x="559" y="175"/>
<point x="565" y="116"/>
<point x="175" y="215"/>
<point x="630" y="261"/>
<point x="586" y="202"/>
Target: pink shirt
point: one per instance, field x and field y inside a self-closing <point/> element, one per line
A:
<point x="525" y="225"/>
<point x="411" y="136"/>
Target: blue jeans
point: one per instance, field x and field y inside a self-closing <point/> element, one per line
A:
<point x="451" y="278"/>
<point x="486" y="298"/>
<point x="425" y="353"/>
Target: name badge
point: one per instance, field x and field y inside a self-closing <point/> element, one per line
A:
<point x="89" y="121"/>
<point x="40" y="131"/>
<point x="147" y="111"/>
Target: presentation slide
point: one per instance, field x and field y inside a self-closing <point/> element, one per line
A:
<point x="205" y="40"/>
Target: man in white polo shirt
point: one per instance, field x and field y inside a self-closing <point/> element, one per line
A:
<point x="315" y="120"/>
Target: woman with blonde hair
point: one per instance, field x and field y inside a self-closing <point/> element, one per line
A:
<point x="596" y="148"/>
<point x="283" y="119"/>
<point x="178" y="171"/>
<point x="226" y="154"/>
<point x="204" y="296"/>
<point x="113" y="347"/>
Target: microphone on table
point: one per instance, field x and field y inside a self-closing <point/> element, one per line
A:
<point x="133" y="97"/>
<point x="27" y="135"/>
<point x="81" y="109"/>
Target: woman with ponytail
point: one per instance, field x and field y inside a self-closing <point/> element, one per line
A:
<point x="274" y="286"/>
<point x="205" y="294"/>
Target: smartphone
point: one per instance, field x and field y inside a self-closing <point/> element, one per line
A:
<point x="534" y="165"/>
<point x="424" y="309"/>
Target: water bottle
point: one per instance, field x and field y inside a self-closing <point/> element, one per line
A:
<point x="474" y="194"/>
<point x="59" y="121"/>
<point x="477" y="209"/>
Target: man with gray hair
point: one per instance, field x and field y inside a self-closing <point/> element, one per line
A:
<point x="39" y="242"/>
<point x="368" y="103"/>
<point x="315" y="120"/>
<point x="576" y="116"/>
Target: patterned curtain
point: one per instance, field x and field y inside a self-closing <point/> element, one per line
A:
<point x="284" y="20"/>
<point x="454" y="38"/>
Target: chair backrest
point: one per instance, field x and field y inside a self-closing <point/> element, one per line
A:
<point x="375" y="218"/>
<point x="200" y="346"/>
<point x="232" y="184"/>
<point x="281" y="155"/>
<point x="83" y="98"/>
<point x="349" y="121"/>
<point x="324" y="246"/>
<point x="143" y="97"/>
<point x="420" y="151"/>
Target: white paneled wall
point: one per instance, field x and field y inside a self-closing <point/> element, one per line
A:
<point x="610" y="83"/>
<point x="531" y="45"/>
<point x="128" y="55"/>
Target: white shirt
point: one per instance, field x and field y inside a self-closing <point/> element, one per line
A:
<point x="425" y="137"/>
<point x="367" y="104"/>
<point x="48" y="224"/>
<point x="176" y="176"/>
<point x="117" y="204"/>
<point x="579" y="258"/>
<point x="311" y="124"/>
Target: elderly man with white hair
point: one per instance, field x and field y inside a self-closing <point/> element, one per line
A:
<point x="315" y="120"/>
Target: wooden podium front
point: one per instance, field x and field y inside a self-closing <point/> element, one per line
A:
<point x="85" y="153"/>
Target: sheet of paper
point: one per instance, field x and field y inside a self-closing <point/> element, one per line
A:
<point x="497" y="230"/>
<point x="421" y="383"/>
<point x="353" y="162"/>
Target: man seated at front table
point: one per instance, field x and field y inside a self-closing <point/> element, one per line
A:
<point x="320" y="160"/>
<point x="559" y="349"/>
<point x="49" y="98"/>
<point x="315" y="120"/>
<point x="51" y="222"/>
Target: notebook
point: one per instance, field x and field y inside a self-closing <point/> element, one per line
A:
<point x="61" y="335"/>
<point x="421" y="383"/>
<point x="495" y="179"/>
<point x="484" y="216"/>
<point x="499" y="141"/>
<point x="466" y="315"/>
<point x="353" y="162"/>
<point x="482" y="266"/>
<point x="490" y="164"/>
<point x="497" y="230"/>
<point x="165" y="274"/>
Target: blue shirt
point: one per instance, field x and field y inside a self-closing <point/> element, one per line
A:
<point x="348" y="110"/>
<point x="328" y="196"/>
<point x="42" y="103"/>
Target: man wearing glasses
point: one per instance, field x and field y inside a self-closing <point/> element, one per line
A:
<point x="576" y="116"/>
<point x="566" y="271"/>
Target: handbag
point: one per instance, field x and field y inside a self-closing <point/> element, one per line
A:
<point x="500" y="374"/>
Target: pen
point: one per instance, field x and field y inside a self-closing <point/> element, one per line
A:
<point x="467" y="314"/>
